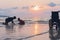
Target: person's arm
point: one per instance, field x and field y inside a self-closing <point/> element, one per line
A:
<point x="12" y="21"/>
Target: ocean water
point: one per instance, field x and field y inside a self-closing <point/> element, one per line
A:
<point x="33" y="31"/>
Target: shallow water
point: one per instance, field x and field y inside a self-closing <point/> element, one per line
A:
<point x="24" y="32"/>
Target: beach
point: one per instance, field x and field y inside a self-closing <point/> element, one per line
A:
<point x="29" y="20"/>
<point x="33" y="31"/>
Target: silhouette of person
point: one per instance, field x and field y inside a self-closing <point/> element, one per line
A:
<point x="21" y="22"/>
<point x="55" y="16"/>
<point x="54" y="20"/>
<point x="9" y="19"/>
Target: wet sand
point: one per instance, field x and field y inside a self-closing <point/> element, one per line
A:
<point x="24" y="32"/>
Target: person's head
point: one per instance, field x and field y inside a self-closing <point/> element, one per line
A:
<point x="18" y="18"/>
<point x="14" y="17"/>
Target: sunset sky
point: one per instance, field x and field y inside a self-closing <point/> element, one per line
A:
<point x="29" y="9"/>
<point x="13" y="3"/>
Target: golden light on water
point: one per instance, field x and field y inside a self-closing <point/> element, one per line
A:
<point x="36" y="28"/>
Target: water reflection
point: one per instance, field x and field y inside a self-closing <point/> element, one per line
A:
<point x="9" y="29"/>
<point x="54" y="34"/>
<point x="24" y="32"/>
<point x="36" y="28"/>
<point x="20" y="26"/>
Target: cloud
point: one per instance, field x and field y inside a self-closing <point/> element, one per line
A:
<point x="7" y="11"/>
<point x="14" y="8"/>
<point x="25" y="7"/>
<point x="52" y="4"/>
<point x="58" y="4"/>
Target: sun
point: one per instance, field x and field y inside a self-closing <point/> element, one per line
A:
<point x="35" y="8"/>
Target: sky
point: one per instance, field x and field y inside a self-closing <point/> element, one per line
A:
<point x="12" y="3"/>
<point x="23" y="8"/>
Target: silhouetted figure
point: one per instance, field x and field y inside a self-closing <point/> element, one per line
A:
<point x="21" y="22"/>
<point x="9" y="19"/>
<point x="55" y="16"/>
<point x="54" y="35"/>
<point x="54" y="19"/>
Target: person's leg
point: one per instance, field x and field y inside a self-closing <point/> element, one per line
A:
<point x="6" y="23"/>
